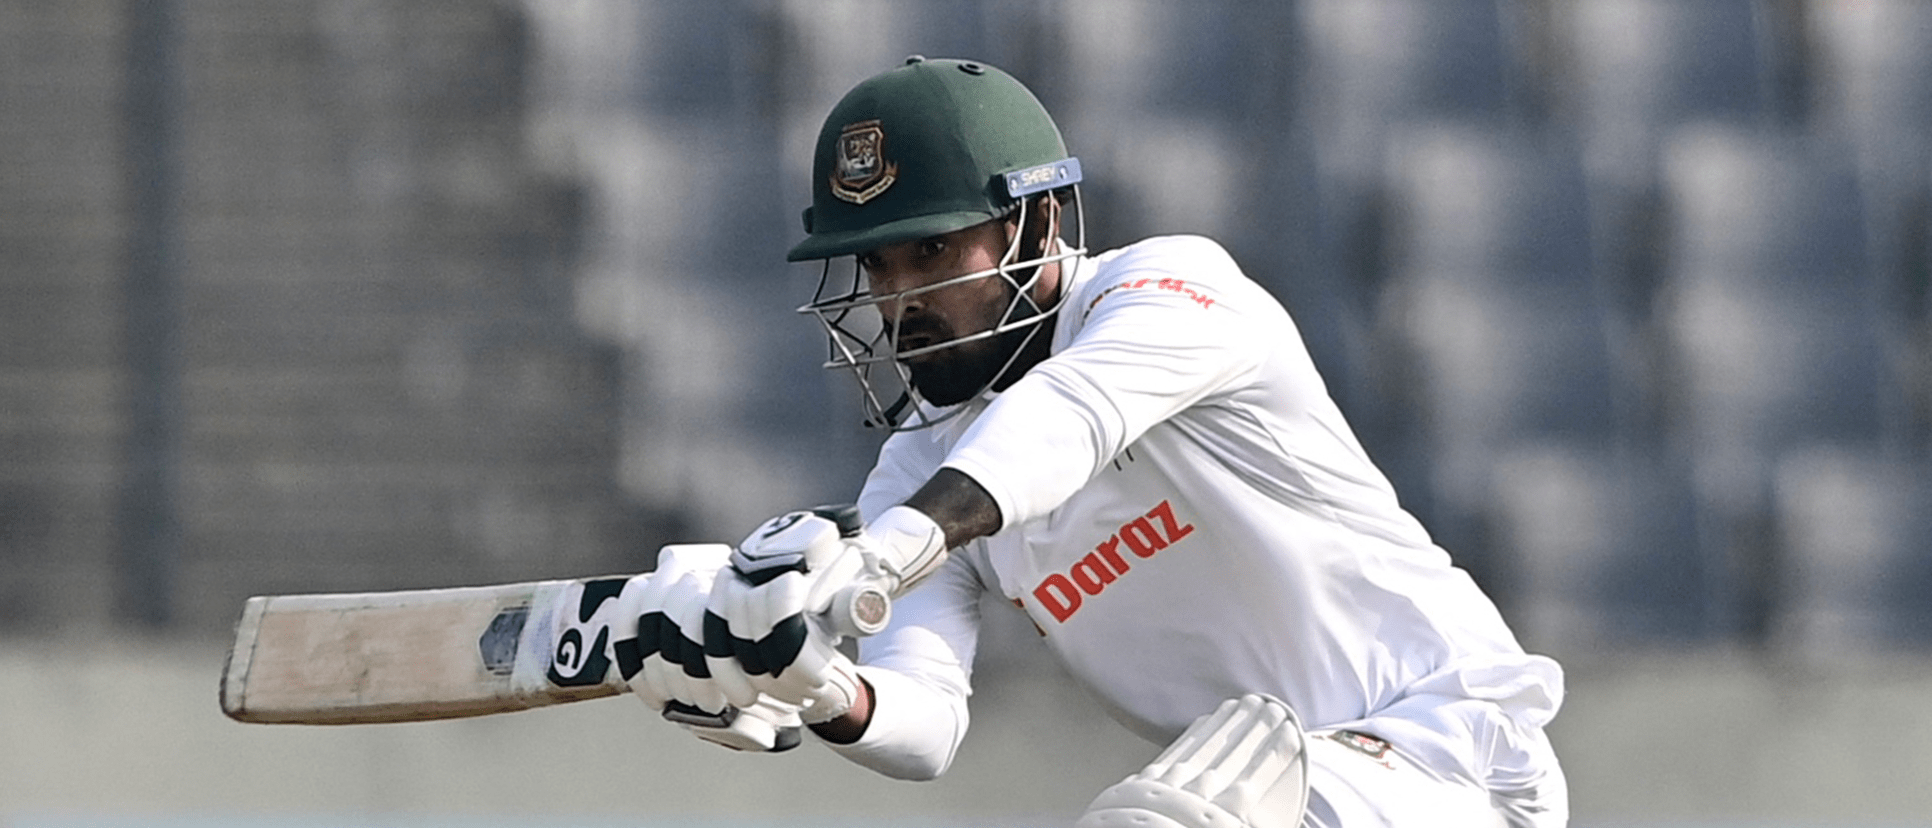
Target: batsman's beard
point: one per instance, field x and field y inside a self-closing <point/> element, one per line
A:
<point x="931" y="366"/>
<point x="954" y="375"/>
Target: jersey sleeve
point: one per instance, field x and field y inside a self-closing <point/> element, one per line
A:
<point x="920" y="669"/>
<point x="1157" y="331"/>
<point x="920" y="666"/>
<point x="906" y="460"/>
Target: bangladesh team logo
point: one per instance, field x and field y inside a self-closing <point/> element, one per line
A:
<point x="860" y="172"/>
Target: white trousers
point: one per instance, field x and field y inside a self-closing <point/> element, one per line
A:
<point x="1357" y="781"/>
<point x="1248" y="765"/>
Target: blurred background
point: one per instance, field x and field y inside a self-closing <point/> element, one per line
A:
<point x="1629" y="297"/>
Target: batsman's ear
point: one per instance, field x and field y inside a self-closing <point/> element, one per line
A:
<point x="807" y="217"/>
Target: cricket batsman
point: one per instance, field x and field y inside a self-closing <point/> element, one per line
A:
<point x="1135" y="448"/>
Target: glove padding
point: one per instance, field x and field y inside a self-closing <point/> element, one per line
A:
<point x="1242" y="766"/>
<point x="759" y="624"/>
<point x="663" y="663"/>
<point x="768" y="614"/>
<point x="765" y="727"/>
<point x="660" y="654"/>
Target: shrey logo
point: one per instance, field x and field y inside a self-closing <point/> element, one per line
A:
<point x="861" y="172"/>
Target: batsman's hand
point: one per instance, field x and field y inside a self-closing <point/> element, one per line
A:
<point x="660" y="654"/>
<point x="779" y="611"/>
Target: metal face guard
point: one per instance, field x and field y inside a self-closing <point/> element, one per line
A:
<point x="859" y="342"/>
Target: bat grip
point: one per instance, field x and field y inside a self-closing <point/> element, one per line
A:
<point x="862" y="608"/>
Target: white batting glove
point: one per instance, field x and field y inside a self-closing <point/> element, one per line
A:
<point x="765" y="727"/>
<point x="767" y="616"/>
<point x="660" y="654"/>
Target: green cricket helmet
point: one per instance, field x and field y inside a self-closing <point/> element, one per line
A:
<point x="925" y="149"/>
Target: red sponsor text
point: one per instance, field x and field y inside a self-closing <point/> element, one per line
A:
<point x="1175" y="285"/>
<point x="1063" y="593"/>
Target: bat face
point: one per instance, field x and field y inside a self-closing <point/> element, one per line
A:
<point x="417" y="655"/>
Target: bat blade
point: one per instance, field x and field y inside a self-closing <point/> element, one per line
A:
<point x="418" y="655"/>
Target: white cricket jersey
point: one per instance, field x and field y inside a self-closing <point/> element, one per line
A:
<point x="1187" y="518"/>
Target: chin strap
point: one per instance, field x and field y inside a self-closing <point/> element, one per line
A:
<point x="889" y="418"/>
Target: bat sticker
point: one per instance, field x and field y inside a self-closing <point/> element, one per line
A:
<point x="575" y="663"/>
<point x="499" y="641"/>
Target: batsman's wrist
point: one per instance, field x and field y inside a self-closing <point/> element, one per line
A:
<point x="849" y="726"/>
<point x="909" y="543"/>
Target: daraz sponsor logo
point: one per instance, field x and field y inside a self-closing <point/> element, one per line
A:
<point x="1062" y="593"/>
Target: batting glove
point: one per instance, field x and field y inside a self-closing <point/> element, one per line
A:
<point x="768" y="616"/>
<point x="660" y="653"/>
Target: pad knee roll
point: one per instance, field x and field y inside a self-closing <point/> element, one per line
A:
<point x="1242" y="766"/>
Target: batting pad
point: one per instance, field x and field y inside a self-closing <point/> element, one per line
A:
<point x="1242" y="766"/>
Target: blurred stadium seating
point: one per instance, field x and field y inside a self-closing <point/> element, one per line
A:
<point x="1526" y="418"/>
<point x="1631" y="298"/>
<point x="1770" y="323"/>
<point x="1855" y="530"/>
<point x="472" y="293"/>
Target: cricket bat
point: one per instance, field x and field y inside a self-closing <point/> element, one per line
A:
<point x="416" y="655"/>
<point x="419" y="655"/>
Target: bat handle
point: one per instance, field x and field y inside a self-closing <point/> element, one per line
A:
<point x="862" y="608"/>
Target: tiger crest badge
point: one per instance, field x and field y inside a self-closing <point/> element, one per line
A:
<point x="861" y="172"/>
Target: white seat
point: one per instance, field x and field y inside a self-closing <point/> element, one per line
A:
<point x="1601" y="544"/>
<point x="1770" y="324"/>
<point x="1856" y="531"/>
<point x="1492" y="306"/>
